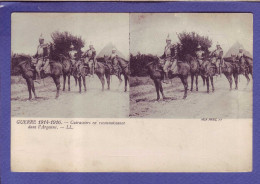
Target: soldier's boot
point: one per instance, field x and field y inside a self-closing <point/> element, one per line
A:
<point x="166" y="78"/>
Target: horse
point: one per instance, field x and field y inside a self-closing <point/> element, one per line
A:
<point x="124" y="68"/>
<point x="230" y="68"/>
<point x="194" y="71"/>
<point x="157" y="74"/>
<point x="102" y="71"/>
<point x="207" y="71"/>
<point x="80" y="72"/>
<point x="67" y="70"/>
<point x="246" y="65"/>
<point x="29" y="73"/>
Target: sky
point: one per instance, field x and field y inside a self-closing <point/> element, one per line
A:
<point x="148" y="31"/>
<point x="98" y="28"/>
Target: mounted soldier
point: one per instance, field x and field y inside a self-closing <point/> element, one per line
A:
<point x="111" y="61"/>
<point x="169" y="58"/>
<point x="90" y="56"/>
<point x="200" y="55"/>
<point x="240" y="53"/>
<point x="42" y="58"/>
<point x="72" y="55"/>
<point x="217" y="56"/>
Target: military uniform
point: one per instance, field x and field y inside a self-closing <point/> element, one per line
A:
<point x="199" y="54"/>
<point x="217" y="58"/>
<point x="112" y="58"/>
<point x="41" y="56"/>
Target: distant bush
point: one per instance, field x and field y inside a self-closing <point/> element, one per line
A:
<point x="62" y="42"/>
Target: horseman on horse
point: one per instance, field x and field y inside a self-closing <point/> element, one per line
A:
<point x="90" y="56"/>
<point x="112" y="63"/>
<point x="169" y="58"/>
<point x="199" y="54"/>
<point x="41" y="58"/>
<point x="72" y="55"/>
<point x="217" y="57"/>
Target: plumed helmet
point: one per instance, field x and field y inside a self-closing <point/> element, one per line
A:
<point x="218" y="44"/>
<point x="241" y="48"/>
<point x="114" y="49"/>
<point x="168" y="38"/>
<point x="41" y="37"/>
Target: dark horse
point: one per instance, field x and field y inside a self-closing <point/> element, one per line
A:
<point x="102" y="71"/>
<point x="207" y="71"/>
<point x="29" y="74"/>
<point x="246" y="65"/>
<point x="67" y="70"/>
<point x="231" y="68"/>
<point x="124" y="69"/>
<point x="194" y="71"/>
<point x="80" y="72"/>
<point x="156" y="74"/>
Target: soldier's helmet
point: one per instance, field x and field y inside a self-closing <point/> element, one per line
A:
<point x="217" y="44"/>
<point x="241" y="48"/>
<point x="90" y="45"/>
<point x="168" y="38"/>
<point x="41" y="38"/>
<point x="114" y="49"/>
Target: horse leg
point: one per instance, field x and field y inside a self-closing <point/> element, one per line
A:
<point x="197" y="76"/>
<point x="185" y="84"/>
<point x="236" y="80"/>
<point x="29" y="88"/>
<point x="212" y="84"/>
<point x="120" y="79"/>
<point x="157" y="89"/>
<point x="203" y="78"/>
<point x="192" y="78"/>
<point x="101" y="77"/>
<point x="207" y="81"/>
<point x="84" y="82"/>
<point x="69" y="81"/>
<point x="64" y="81"/>
<point x="126" y="78"/>
<point x="79" y="84"/>
<point x="229" y="78"/>
<point x="33" y="89"/>
<point x="108" y="80"/>
<point x="161" y="89"/>
<point x="247" y="77"/>
<point x="76" y="81"/>
<point x="56" y="80"/>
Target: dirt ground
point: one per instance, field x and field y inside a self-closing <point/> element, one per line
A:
<point x="220" y="104"/>
<point x="91" y="104"/>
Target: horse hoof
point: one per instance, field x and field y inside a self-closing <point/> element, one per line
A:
<point x="191" y="89"/>
<point x="63" y="90"/>
<point x="197" y="89"/>
<point x="157" y="99"/>
<point x="68" y="89"/>
<point x="184" y="97"/>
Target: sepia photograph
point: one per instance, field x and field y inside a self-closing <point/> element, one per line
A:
<point x="191" y="65"/>
<point x="70" y="65"/>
